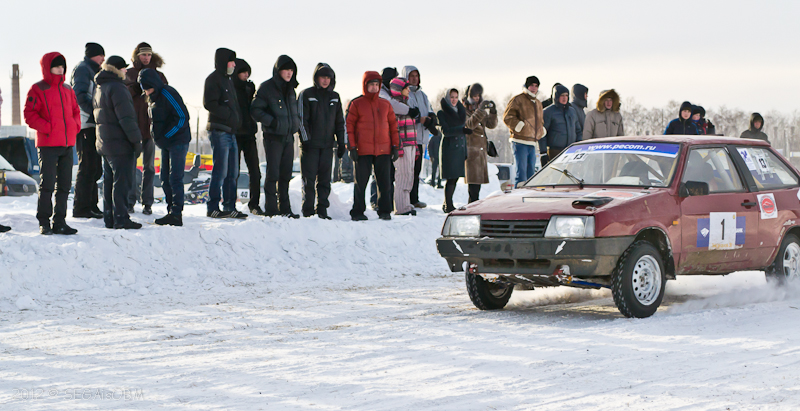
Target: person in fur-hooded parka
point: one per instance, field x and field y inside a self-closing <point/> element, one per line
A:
<point x="605" y="120"/>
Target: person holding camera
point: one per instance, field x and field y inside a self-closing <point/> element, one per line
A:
<point x="481" y="115"/>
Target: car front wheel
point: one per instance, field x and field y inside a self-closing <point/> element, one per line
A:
<point x="487" y="295"/>
<point x="638" y="281"/>
<point x="786" y="267"/>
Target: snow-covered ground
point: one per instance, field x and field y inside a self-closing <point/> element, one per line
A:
<point x="336" y="315"/>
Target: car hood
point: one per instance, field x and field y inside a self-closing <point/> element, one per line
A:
<point x="18" y="177"/>
<point x="541" y="203"/>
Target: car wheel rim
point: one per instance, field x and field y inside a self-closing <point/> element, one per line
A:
<point x="646" y="281"/>
<point x="791" y="262"/>
<point x="497" y="290"/>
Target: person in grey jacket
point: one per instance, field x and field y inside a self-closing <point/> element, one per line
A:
<point x="579" y="95"/>
<point x="90" y="164"/>
<point x="561" y="123"/>
<point x="119" y="141"/>
<point x="424" y="122"/>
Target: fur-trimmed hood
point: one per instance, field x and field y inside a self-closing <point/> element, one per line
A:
<point x="155" y="62"/>
<point x="614" y="98"/>
<point x="109" y="68"/>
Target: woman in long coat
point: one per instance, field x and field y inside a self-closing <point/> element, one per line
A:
<point x="453" y="153"/>
<point x="481" y="115"/>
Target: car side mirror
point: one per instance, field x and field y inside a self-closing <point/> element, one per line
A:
<point x="693" y="188"/>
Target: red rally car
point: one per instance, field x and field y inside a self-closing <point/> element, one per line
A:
<point x="629" y="213"/>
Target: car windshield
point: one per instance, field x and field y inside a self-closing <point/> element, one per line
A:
<point x="639" y="164"/>
<point x="5" y="165"/>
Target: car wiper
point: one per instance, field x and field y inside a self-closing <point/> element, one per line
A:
<point x="570" y="175"/>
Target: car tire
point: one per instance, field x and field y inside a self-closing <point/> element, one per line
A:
<point x="786" y="267"/>
<point x="487" y="295"/>
<point x="639" y="280"/>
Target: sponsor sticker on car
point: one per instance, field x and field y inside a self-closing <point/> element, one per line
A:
<point x="768" y="207"/>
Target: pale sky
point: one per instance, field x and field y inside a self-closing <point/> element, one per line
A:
<point x="736" y="53"/>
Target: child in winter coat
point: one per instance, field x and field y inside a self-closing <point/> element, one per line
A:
<point x="404" y="164"/>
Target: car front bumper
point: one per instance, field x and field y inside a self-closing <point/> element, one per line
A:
<point x="586" y="257"/>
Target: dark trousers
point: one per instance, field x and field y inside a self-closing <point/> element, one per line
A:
<point x="417" y="171"/>
<point x="474" y="192"/>
<point x="433" y="153"/>
<point x="449" y="189"/>
<point x="363" y="169"/>
<point x="247" y="146"/>
<point x="373" y="189"/>
<point x="148" y="174"/>
<point x="116" y="186"/>
<point x="55" y="171"/>
<point x="223" y="175"/>
<point x="553" y="152"/>
<point x="90" y="169"/>
<point x="280" y="154"/>
<point x="315" y="166"/>
<point x="173" y="163"/>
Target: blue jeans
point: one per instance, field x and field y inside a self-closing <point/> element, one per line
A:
<point x="173" y="163"/>
<point x="527" y="158"/>
<point x="226" y="168"/>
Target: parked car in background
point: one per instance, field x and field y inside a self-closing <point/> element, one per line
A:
<point x="15" y="183"/>
<point x="243" y="183"/>
<point x="629" y="213"/>
<point x="21" y="153"/>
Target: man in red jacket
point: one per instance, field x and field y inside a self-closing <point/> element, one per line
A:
<point x="373" y="142"/>
<point x="51" y="109"/>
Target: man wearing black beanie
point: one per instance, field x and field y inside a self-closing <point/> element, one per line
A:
<point x="90" y="164"/>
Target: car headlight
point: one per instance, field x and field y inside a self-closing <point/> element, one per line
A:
<point x="561" y="226"/>
<point x="462" y="226"/>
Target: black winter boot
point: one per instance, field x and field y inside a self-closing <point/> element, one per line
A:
<point x="63" y="229"/>
<point x="170" y="219"/>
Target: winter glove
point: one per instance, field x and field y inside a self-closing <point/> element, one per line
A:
<point x="340" y="151"/>
<point x="137" y="149"/>
<point x="484" y="105"/>
<point x="354" y="154"/>
<point x="467" y="131"/>
<point x="395" y="154"/>
<point x="492" y="107"/>
<point x="413" y="112"/>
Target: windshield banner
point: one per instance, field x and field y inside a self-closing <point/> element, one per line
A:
<point x="653" y="149"/>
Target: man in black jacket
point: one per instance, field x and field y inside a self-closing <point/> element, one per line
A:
<point x="90" y="164"/>
<point x="119" y="141"/>
<point x="321" y="119"/>
<point x="170" y="132"/>
<point x="224" y="120"/>
<point x="275" y="107"/>
<point x="246" y="136"/>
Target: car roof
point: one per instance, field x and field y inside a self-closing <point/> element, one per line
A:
<point x="690" y="140"/>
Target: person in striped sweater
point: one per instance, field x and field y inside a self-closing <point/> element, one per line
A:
<point x="404" y="164"/>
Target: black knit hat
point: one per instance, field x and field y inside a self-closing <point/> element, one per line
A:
<point x="58" y="61"/>
<point x="387" y="75"/>
<point x="532" y="80"/>
<point x="94" y="49"/>
<point x="117" y="62"/>
<point x="685" y="106"/>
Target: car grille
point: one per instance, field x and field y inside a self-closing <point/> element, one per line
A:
<point x="513" y="228"/>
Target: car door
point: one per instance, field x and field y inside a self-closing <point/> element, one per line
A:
<point x="775" y="185"/>
<point x="719" y="230"/>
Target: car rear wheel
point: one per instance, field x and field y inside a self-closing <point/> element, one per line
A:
<point x="638" y="281"/>
<point x="786" y="267"/>
<point x="487" y="295"/>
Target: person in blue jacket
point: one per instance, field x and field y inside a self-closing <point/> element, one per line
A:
<point x="561" y="123"/>
<point x="170" y="131"/>
<point x="683" y="125"/>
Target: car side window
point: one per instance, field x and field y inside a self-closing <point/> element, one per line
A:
<point x="767" y="169"/>
<point x="713" y="165"/>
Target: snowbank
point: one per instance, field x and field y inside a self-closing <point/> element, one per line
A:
<point x="276" y="253"/>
